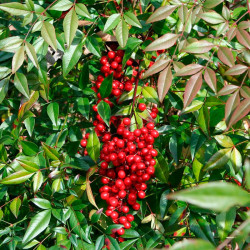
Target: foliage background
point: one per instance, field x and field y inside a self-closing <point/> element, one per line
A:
<point x="200" y="83"/>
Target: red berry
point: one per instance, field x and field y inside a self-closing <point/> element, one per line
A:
<point x="153" y="115"/>
<point x="126" y="121"/>
<point x="122" y="194"/>
<point x="104" y="195"/>
<point x="123" y="219"/>
<point x="105" y="180"/>
<point x="113" y="201"/>
<point x="125" y="209"/>
<point x="83" y="143"/>
<point x="114" y="65"/>
<point x="130" y="217"/>
<point x="103" y="60"/>
<point x="114" y="215"/>
<point x="141" y="194"/>
<point x="127" y="225"/>
<point x="142" y="106"/>
<point x="136" y="206"/>
<point x="120" y="231"/>
<point x="111" y="54"/>
<point x="121" y="174"/>
<point x="150" y="125"/>
<point x="129" y="62"/>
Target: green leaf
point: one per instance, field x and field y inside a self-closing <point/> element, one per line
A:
<point x="161" y="13"/>
<point x="197" y="140"/>
<point x="164" y="203"/>
<point x="236" y="70"/>
<point x="164" y="42"/>
<point x="90" y="195"/>
<point x="30" y="50"/>
<point x="130" y="233"/>
<point x="121" y="33"/>
<point x="211" y="79"/>
<point x="37" y="224"/>
<point x="83" y="106"/>
<point x="114" y="244"/>
<point x="4" y="86"/>
<point x="224" y="141"/>
<point x="212" y="17"/>
<point x="128" y="244"/>
<point x="104" y="111"/>
<point x="42" y="203"/>
<point x="31" y="244"/>
<point x="16" y="9"/>
<point x="218" y="160"/>
<point x="226" y="56"/>
<point x="203" y="120"/>
<point x="28" y="165"/>
<point x="93" y="46"/>
<point x="112" y="22"/>
<point x="29" y="125"/>
<point x="53" y="112"/>
<point x="129" y="95"/>
<point x="106" y="86"/>
<point x="175" y="147"/>
<point x="243" y="37"/>
<point x="1" y="214"/>
<point x="18" y="59"/>
<point x="193" y="245"/>
<point x="131" y="19"/>
<point x="10" y="44"/>
<point x="29" y="148"/>
<point x="82" y="10"/>
<point x="70" y="25"/>
<point x="15" y="206"/>
<point x="188" y="70"/>
<point x="150" y="94"/>
<point x="17" y="177"/>
<point x="99" y="242"/>
<point x="194" y="106"/>
<point x="49" y="35"/>
<point x="37" y="181"/>
<point x="84" y="77"/>
<point x="71" y="57"/>
<point x="225" y="221"/>
<point x="161" y="168"/>
<point x="62" y="5"/>
<point x="93" y="146"/>
<point x="199" y="47"/>
<point x="218" y="196"/>
<point x="200" y="227"/>
<point x="126" y="110"/>
<point x="236" y="159"/>
<point x="164" y="83"/>
<point x="20" y="82"/>
<point x="51" y="152"/>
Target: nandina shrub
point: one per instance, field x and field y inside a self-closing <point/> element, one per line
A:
<point x="124" y="124"/>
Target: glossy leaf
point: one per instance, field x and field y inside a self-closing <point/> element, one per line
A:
<point x="14" y="8"/>
<point x="104" y="111"/>
<point x="158" y="66"/>
<point x="106" y="86"/>
<point x="211" y="3"/>
<point x="197" y="140"/>
<point x="83" y="106"/>
<point x="21" y="84"/>
<point x="161" y="13"/>
<point x="49" y="35"/>
<point x="131" y="19"/>
<point x="243" y="37"/>
<point x="18" y="59"/>
<point x="30" y="50"/>
<point x="231" y="104"/>
<point x="37" y="181"/>
<point x="112" y="22"/>
<point x="4" y="85"/>
<point x="218" y="196"/>
<point x="192" y="88"/>
<point x="15" y="206"/>
<point x="28" y="165"/>
<point x="224" y="141"/>
<point x="236" y="70"/>
<point x="188" y="70"/>
<point x="164" y="83"/>
<point x="193" y="245"/>
<point x="226" y="56"/>
<point x="90" y="195"/>
<point x="51" y="152"/>
<point x="211" y="79"/>
<point x="53" y="112"/>
<point x="29" y="148"/>
<point x="62" y="5"/>
<point x="164" y="42"/>
<point x="202" y="46"/>
<point x="93" y="146"/>
<point x="82" y="10"/>
<point x="17" y="177"/>
<point x="212" y="17"/>
<point x="150" y="94"/>
<point x="236" y="159"/>
<point x="121" y="33"/>
<point x="228" y="89"/>
<point x="161" y="169"/>
<point x="93" y="46"/>
<point x="70" y="24"/>
<point x="41" y="203"/>
<point x="37" y="224"/>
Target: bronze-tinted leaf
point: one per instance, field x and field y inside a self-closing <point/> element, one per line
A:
<point x="231" y="33"/>
<point x="161" y="13"/>
<point x="90" y="195"/>
<point x="164" y="42"/>
<point x="231" y="104"/>
<point x="164" y="83"/>
<point x="226" y="56"/>
<point x="243" y="37"/>
<point x="245" y="91"/>
<point x="212" y="17"/>
<point x="228" y="89"/>
<point x="192" y="88"/>
<point x="211" y="3"/>
<point x="210" y="79"/>
<point x="236" y="70"/>
<point x="156" y="67"/>
<point x="240" y="112"/>
<point x="188" y="70"/>
<point x="198" y="47"/>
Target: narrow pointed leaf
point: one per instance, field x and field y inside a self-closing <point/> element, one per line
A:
<point x="83" y="106"/>
<point x="211" y="79"/>
<point x="164" y="42"/>
<point x="243" y="37"/>
<point x="228" y="89"/>
<point x="131" y="19"/>
<point x="236" y="70"/>
<point x="90" y="195"/>
<point x="20" y="82"/>
<point x="30" y="50"/>
<point x="218" y="196"/>
<point x="226" y="56"/>
<point x="15" y="206"/>
<point x="62" y="5"/>
<point x="37" y="181"/>
<point x="121" y="33"/>
<point x="104" y="111"/>
<point x="18" y="59"/>
<point x="37" y="224"/>
<point x="193" y="245"/>
<point x="212" y="17"/>
<point x="49" y="35"/>
<point x="164" y="83"/>
<point x="112" y="22"/>
<point x="231" y="104"/>
<point x="53" y="112"/>
<point x="106" y="86"/>
<point x="28" y="165"/>
<point x="150" y="94"/>
<point x="161" y="13"/>
<point x="192" y="88"/>
<point x="224" y="140"/>
<point x="4" y="86"/>
<point x="17" y="177"/>
<point x="70" y="24"/>
<point x="236" y="159"/>
<point x="17" y="9"/>
<point x="211" y="3"/>
<point x="188" y="70"/>
<point x="93" y="146"/>
<point x="199" y="47"/>
<point x="156" y="67"/>
<point x="82" y="10"/>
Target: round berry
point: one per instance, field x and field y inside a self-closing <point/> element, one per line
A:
<point x="142" y="106"/>
<point x="121" y="174"/>
<point x="141" y="194"/>
<point x="83" y="143"/>
<point x="111" y="54"/>
<point x="120" y="231"/>
<point x="125" y="209"/>
<point x="126" y="121"/>
<point x="136" y="206"/>
<point x="130" y="217"/>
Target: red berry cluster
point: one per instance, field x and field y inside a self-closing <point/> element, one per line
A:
<point x="127" y="158"/>
<point x="127" y="163"/>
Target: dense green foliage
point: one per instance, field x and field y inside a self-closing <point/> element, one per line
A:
<point x="194" y="60"/>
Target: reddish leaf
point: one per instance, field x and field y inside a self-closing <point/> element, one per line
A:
<point x="231" y="104"/>
<point x="231" y="33"/>
<point x="226" y="56"/>
<point x="245" y="92"/>
<point x="164" y="83"/>
<point x="228" y="89"/>
<point x="243" y="37"/>
<point x="90" y="195"/>
<point x="211" y="3"/>
<point x="210" y="79"/>
<point x="156" y="67"/>
<point x="164" y="42"/>
<point x="198" y="47"/>
<point x="240" y="112"/>
<point x="188" y="70"/>
<point x="236" y="70"/>
<point x="161" y="13"/>
<point x="192" y="88"/>
<point x="212" y="17"/>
